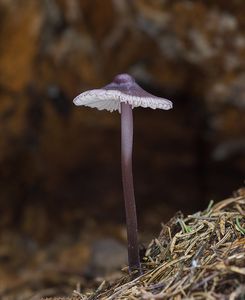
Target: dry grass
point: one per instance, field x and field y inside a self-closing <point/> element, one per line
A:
<point x="201" y="256"/>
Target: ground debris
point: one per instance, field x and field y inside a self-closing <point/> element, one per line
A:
<point x="201" y="256"/>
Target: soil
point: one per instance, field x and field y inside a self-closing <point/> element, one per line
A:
<point x="199" y="256"/>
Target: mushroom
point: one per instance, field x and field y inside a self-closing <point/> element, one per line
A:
<point x="124" y="94"/>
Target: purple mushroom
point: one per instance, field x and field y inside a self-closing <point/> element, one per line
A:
<point x="124" y="94"/>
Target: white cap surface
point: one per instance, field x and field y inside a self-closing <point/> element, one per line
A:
<point x="122" y="89"/>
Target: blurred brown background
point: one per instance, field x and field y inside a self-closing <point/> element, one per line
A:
<point x="60" y="165"/>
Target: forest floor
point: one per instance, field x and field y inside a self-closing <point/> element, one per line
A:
<point x="201" y="256"/>
<point x="198" y="256"/>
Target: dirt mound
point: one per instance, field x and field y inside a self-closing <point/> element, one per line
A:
<point x="201" y="256"/>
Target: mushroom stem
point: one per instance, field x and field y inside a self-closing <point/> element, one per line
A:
<point x="128" y="186"/>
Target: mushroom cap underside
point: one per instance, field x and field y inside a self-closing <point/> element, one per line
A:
<point x="110" y="99"/>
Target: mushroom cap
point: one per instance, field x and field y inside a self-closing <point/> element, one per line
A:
<point x="123" y="88"/>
